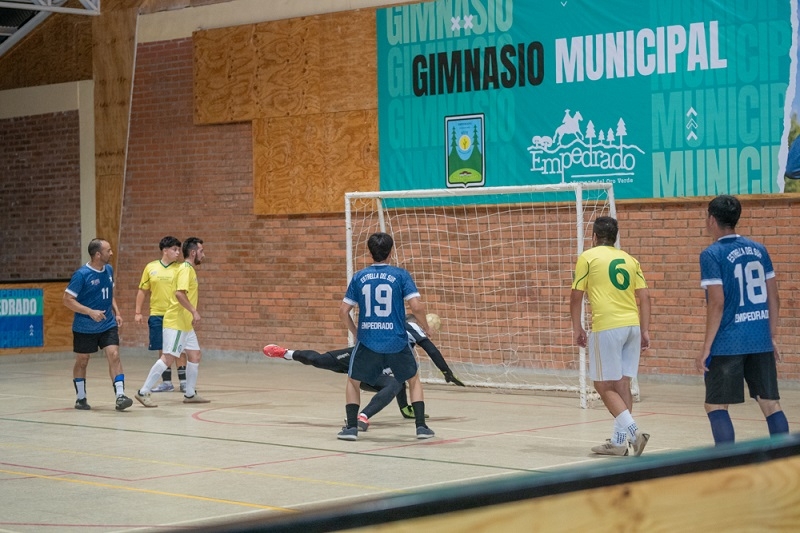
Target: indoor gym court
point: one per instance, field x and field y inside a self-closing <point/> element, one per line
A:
<point x="266" y="446"/>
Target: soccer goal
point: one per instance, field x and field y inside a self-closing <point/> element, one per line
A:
<point x="496" y="265"/>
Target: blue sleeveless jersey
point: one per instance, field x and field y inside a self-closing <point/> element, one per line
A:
<point x="742" y="267"/>
<point x="380" y="292"/>
<point x="94" y="289"/>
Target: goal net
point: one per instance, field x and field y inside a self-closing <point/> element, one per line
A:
<point x="496" y="265"/>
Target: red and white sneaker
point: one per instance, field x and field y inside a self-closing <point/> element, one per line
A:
<point x="363" y="422"/>
<point x="273" y="350"/>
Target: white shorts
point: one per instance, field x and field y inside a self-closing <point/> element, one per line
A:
<point x="176" y="341"/>
<point x="614" y="353"/>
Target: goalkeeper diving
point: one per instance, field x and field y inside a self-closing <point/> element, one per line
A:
<point x="387" y="387"/>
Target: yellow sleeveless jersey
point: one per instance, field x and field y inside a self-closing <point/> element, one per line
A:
<point x="610" y="278"/>
<point x="159" y="279"/>
<point x="177" y="316"/>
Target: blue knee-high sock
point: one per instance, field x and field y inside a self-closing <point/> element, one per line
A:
<point x="721" y="426"/>
<point x="777" y="423"/>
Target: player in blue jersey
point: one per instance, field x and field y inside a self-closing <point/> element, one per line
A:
<point x="90" y="294"/>
<point x="380" y="292"/>
<point x="791" y="175"/>
<point x="741" y="323"/>
<point x="387" y="387"/>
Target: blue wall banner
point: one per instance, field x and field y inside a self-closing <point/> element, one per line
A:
<point x="21" y="318"/>
<point x="664" y="99"/>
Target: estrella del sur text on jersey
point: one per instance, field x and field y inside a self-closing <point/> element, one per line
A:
<point x="376" y="275"/>
<point x="745" y="250"/>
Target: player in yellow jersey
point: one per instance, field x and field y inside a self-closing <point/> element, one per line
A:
<point x="613" y="280"/>
<point x="157" y="281"/>
<point x="179" y="322"/>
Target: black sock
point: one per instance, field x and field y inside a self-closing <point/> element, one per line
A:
<point x="352" y="414"/>
<point x="182" y="373"/>
<point x="419" y="413"/>
<point x="166" y="375"/>
<point x="402" y="399"/>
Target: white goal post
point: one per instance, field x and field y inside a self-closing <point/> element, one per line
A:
<point x="496" y="265"/>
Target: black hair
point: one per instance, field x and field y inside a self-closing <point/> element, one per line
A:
<point x="190" y="244"/>
<point x="168" y="242"/>
<point x="95" y="245"/>
<point x="606" y="229"/>
<point x="380" y="246"/>
<point x="726" y="210"/>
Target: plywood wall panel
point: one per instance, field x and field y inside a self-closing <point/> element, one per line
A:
<point x="287" y="56"/>
<point x="348" y="67"/>
<point x="308" y="65"/>
<point x="224" y="75"/>
<point x="306" y="164"/>
<point x="59" y="50"/>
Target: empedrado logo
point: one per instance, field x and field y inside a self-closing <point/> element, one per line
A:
<point x="19" y="307"/>
<point x="593" y="154"/>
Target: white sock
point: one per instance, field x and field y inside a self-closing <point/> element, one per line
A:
<point x="289" y="355"/>
<point x="191" y="378"/>
<point x="152" y="378"/>
<point x="119" y="387"/>
<point x="627" y="424"/>
<point x="80" y="387"/>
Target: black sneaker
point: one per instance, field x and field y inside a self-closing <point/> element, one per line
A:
<point x="82" y="404"/>
<point x="348" y="433"/>
<point x="123" y="402"/>
<point x="424" y="432"/>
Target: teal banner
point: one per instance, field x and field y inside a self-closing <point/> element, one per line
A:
<point x="663" y="99"/>
<point x="21" y="318"/>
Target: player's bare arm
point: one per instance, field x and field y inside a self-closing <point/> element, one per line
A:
<point x="644" y="316"/>
<point x="347" y="319"/>
<point x="576" y="312"/>
<point x="420" y="313"/>
<point x="714" y="306"/>
<point x="183" y="299"/>
<point x="74" y="305"/>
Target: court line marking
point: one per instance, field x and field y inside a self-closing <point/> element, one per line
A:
<point x="148" y="491"/>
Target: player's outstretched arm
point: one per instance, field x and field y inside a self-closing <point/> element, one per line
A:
<point x="438" y="360"/>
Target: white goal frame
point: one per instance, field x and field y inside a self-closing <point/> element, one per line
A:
<point x="471" y="196"/>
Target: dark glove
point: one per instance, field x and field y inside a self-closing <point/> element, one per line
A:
<point x="450" y="378"/>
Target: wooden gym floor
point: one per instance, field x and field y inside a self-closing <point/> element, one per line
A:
<point x="267" y="442"/>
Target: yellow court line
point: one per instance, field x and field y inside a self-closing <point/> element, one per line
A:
<point x="235" y="470"/>
<point x="147" y="491"/>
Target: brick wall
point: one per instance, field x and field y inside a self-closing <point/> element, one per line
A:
<point x="280" y="279"/>
<point x="40" y="197"/>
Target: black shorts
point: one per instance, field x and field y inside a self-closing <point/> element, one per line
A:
<point x="156" y="325"/>
<point x="368" y="366"/>
<point x="726" y="374"/>
<point x="90" y="342"/>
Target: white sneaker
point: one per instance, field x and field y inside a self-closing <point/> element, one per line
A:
<point x="641" y="442"/>
<point x="164" y="386"/>
<point x="145" y="399"/>
<point x="611" y="449"/>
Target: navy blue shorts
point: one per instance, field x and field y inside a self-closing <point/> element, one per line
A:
<point x="369" y="366"/>
<point x="156" y="325"/>
<point x="727" y="374"/>
<point x="90" y="342"/>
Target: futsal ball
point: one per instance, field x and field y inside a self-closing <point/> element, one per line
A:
<point x="434" y="321"/>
